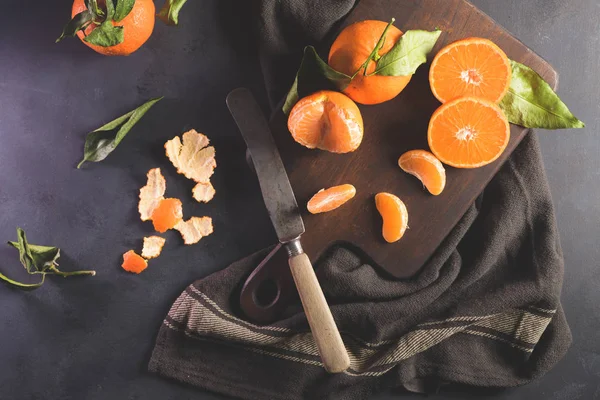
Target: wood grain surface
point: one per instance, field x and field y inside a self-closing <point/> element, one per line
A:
<point x="391" y="129"/>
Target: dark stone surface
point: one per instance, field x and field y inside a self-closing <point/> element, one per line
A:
<point x="90" y="338"/>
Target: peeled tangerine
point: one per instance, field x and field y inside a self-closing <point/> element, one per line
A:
<point x="394" y="214"/>
<point x="152" y="247"/>
<point x="194" y="159"/>
<point x="329" y="199"/>
<point x="194" y="229"/>
<point x="327" y="120"/>
<point x="426" y="167"/>
<point x="168" y="214"/>
<point x="132" y="262"/>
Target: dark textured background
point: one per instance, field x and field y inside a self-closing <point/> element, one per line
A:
<point x="91" y="338"/>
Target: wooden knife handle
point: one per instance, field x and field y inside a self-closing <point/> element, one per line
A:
<point x="328" y="339"/>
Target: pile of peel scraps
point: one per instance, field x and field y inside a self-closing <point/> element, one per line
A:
<point x="195" y="159"/>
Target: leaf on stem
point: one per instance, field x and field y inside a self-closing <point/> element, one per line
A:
<point x="408" y="53"/>
<point x="531" y="102"/>
<point x="106" y="34"/>
<point x="101" y="142"/>
<point x="78" y="23"/>
<point x="169" y="13"/>
<point x="314" y="74"/>
<point x="38" y="260"/>
<point x="123" y="9"/>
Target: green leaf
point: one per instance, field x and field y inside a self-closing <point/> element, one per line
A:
<point x="292" y="97"/>
<point x="101" y="142"/>
<point x="110" y="9"/>
<point x="123" y="9"/>
<point x="408" y="53"/>
<point x="531" y="102"/>
<point x="78" y="23"/>
<point x="38" y="260"/>
<point x="92" y="5"/>
<point x="314" y="74"/>
<point x="169" y="13"/>
<point x="34" y="257"/>
<point x="106" y="34"/>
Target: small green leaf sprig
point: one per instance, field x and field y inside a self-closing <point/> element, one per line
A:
<point x="106" y="34"/>
<point x="38" y="260"/>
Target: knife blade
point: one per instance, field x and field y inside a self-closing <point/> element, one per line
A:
<point x="285" y="215"/>
<point x="274" y="183"/>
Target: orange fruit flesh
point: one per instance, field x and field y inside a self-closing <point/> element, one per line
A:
<point x="137" y="27"/>
<point x="428" y="169"/>
<point x="351" y="49"/>
<point x="168" y="214"/>
<point x="394" y="215"/>
<point x="329" y="199"/>
<point x="468" y="132"/>
<point x="328" y="121"/>
<point x="132" y="262"/>
<point x="470" y="67"/>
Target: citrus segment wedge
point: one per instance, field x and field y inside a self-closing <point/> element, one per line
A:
<point x="428" y="169"/>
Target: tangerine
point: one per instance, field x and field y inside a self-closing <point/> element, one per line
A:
<point x="352" y="48"/>
<point x="473" y="67"/>
<point x="328" y="121"/>
<point x="137" y="28"/>
<point x="468" y="132"/>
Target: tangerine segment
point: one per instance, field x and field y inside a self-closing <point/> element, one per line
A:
<point x="426" y="167"/>
<point x="468" y="132"/>
<point x="329" y="199"/>
<point x="328" y="121"/>
<point x="132" y="262"/>
<point x="470" y="67"/>
<point x="394" y="215"/>
<point x="168" y="214"/>
<point x="351" y="49"/>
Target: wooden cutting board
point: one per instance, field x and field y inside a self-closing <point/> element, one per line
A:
<point x="391" y="129"/>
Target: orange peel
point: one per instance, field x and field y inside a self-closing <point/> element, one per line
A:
<point x="195" y="229"/>
<point x="152" y="194"/>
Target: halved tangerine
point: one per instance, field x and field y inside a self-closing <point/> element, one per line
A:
<point x="329" y="199"/>
<point x="168" y="214"/>
<point x="328" y="121"/>
<point x="426" y="167"/>
<point x="468" y="132"/>
<point x="394" y="215"/>
<point x="473" y="67"/>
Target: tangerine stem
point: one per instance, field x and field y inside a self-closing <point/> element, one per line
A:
<point x="375" y="53"/>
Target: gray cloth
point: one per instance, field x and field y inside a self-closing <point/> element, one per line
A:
<point x="484" y="311"/>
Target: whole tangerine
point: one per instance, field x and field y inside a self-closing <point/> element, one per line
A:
<point x="351" y="49"/>
<point x="137" y="28"/>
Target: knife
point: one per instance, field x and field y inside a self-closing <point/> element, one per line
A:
<point x="285" y="215"/>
